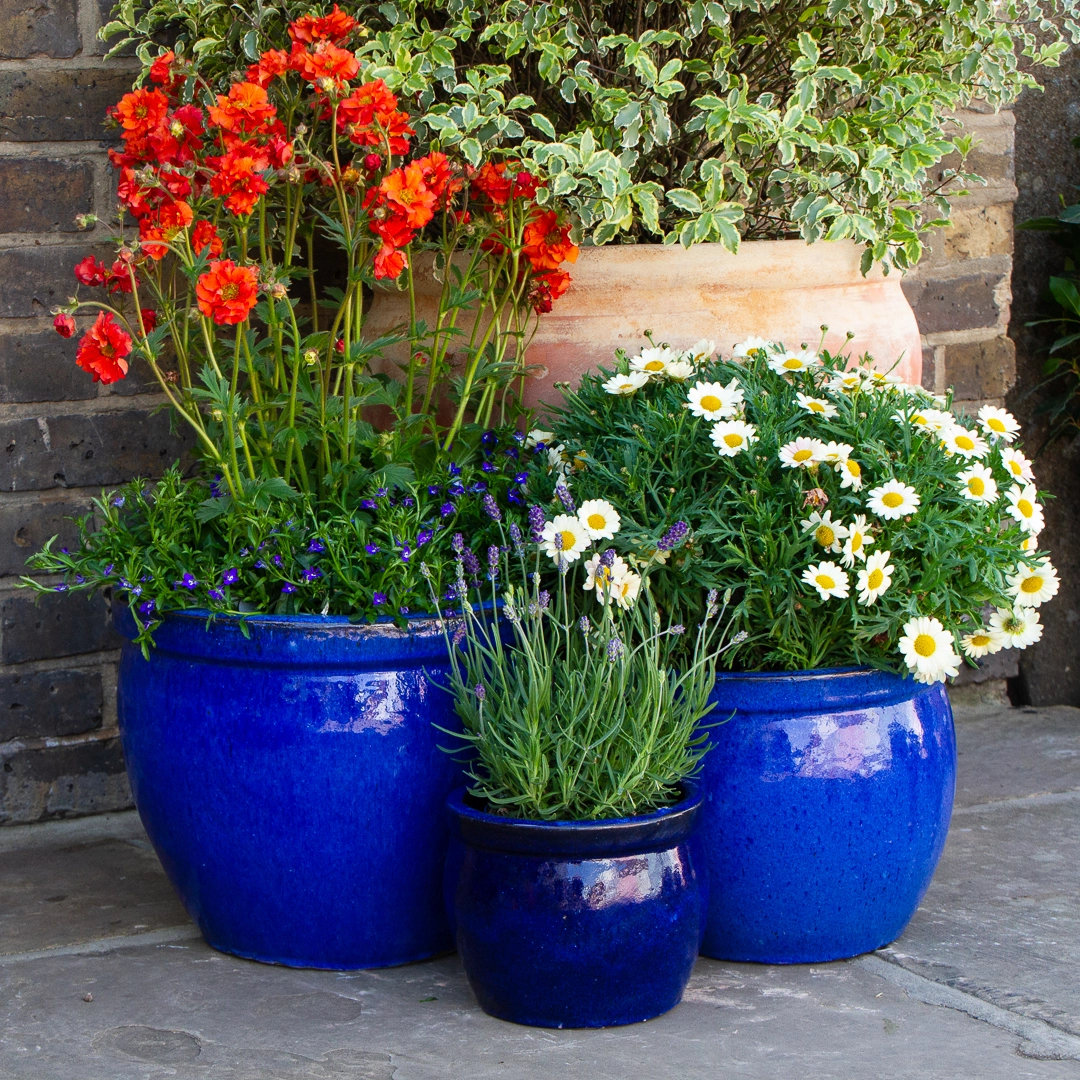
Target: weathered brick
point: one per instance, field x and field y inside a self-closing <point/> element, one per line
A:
<point x="36" y="279"/>
<point x="63" y="781"/>
<point x="54" y="105"/>
<point x="963" y="303"/>
<point x="41" y="367"/>
<point x="25" y="527"/>
<point x="929" y="369"/>
<point x="87" y="450"/>
<point x="984" y="369"/>
<point x="49" y="704"/>
<point x="38" y="627"/>
<point x="40" y="195"/>
<point x="980" y="231"/>
<point x="44" y="27"/>
<point x="994" y="168"/>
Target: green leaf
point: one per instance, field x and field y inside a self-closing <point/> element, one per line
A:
<point x="684" y="199"/>
<point x="543" y="124"/>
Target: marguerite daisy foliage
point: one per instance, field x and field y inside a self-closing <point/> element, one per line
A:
<point x="856" y="519"/>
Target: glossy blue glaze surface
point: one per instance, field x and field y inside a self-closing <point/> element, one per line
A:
<point x="292" y="784"/>
<point x="828" y="799"/>
<point x="576" y="924"/>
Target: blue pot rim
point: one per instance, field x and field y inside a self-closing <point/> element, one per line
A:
<point x="603" y="838"/>
<point x="807" y="674"/>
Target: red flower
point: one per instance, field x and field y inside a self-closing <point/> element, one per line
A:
<point x="327" y="66"/>
<point x="161" y="68"/>
<point x="176" y="140"/>
<point x="438" y="176"/>
<point x="237" y="179"/>
<point x="525" y="185"/>
<point x="244" y="111"/>
<point x="90" y="272"/>
<point x="118" y="278"/>
<point x="336" y="26"/>
<point x="547" y="244"/>
<point x="206" y="235"/>
<point x="132" y="194"/>
<point x="103" y="350"/>
<point x="389" y="262"/>
<point x="226" y="293"/>
<point x="547" y="288"/>
<point x="493" y="182"/>
<point x="271" y="64"/>
<point x="149" y="318"/>
<point x="408" y="196"/>
<point x="141" y="111"/>
<point x="64" y="325"/>
<point x="163" y="225"/>
<point x="370" y="117"/>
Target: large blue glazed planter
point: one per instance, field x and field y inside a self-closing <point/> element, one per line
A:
<point x="576" y="924"/>
<point x="292" y="784"/>
<point x="828" y="796"/>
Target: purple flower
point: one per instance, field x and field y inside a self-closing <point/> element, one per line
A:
<point x="188" y="581"/>
<point x="408" y="502"/>
<point x="287" y="588"/>
<point x="521" y="478"/>
<point x="584" y="625"/>
<point x="512" y="452"/>
<point x="368" y="504"/>
<point x="424" y="537"/>
<point x="519" y="436"/>
<point x="677" y="629"/>
<point x="478" y="487"/>
<point x="515" y="535"/>
<point x="312" y="573"/>
<point x="316" y="546"/>
<point x="136" y="591"/>
<point x="230" y="577"/>
<point x="513" y="496"/>
<point x="124" y="583"/>
<point x="244" y="553"/>
<point x="378" y="598"/>
<point x="673" y="537"/>
<point x="457" y="542"/>
<point x="381" y="493"/>
<point x="489" y="439"/>
<point x="406" y="552"/>
<point x="562" y="493"/>
<point x="493" y="562"/>
<point x="488" y="467"/>
<point x="215" y="594"/>
<point x="544" y="598"/>
<point x="536" y="523"/>
<point x="64" y="551"/>
<point x="614" y="649"/>
<point x="147" y="607"/>
<point x="433" y="489"/>
<point x="455" y="469"/>
<point x="216" y="490"/>
<point x="60" y="588"/>
<point x="479" y="691"/>
<point x="491" y="508"/>
<point x="447" y="509"/>
<point x="118" y="500"/>
<point x="403" y="610"/>
<point x="470" y="562"/>
<point x="80" y="580"/>
<point x="260" y="565"/>
<point x="372" y="549"/>
<point x="108" y="569"/>
<point x="277" y="560"/>
<point x="607" y="559"/>
<point x="456" y="488"/>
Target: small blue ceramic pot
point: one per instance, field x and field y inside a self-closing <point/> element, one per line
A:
<point x="828" y="798"/>
<point x="292" y="783"/>
<point x="576" y="924"/>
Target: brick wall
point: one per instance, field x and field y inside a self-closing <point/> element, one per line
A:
<point x="62" y="435"/>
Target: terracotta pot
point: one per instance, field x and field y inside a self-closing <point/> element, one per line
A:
<point x="784" y="290"/>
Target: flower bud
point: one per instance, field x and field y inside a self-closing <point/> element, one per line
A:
<point x="311" y="357"/>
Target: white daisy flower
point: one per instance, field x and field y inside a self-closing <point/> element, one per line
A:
<point x="1023" y="507"/>
<point x="1020" y="627"/>
<point x="1016" y="465"/>
<point x="600" y="577"/>
<point x="837" y="452"/>
<point x="937" y="419"/>
<point x="564" y="538"/>
<point x="967" y="444"/>
<point x="998" y="423"/>
<point x="788" y="363"/>
<point x="558" y="461"/>
<point x="982" y="643"/>
<point x="680" y="370"/>
<point x="893" y="500"/>
<point x="701" y="352"/>
<point x="845" y="382"/>
<point x="625" y="385"/>
<point x="875" y="577"/>
<point x="731" y="436"/>
<point x="882" y="380"/>
<point x="850" y="474"/>
<point x="743" y="350"/>
<point x="714" y="401"/>
<point x="599" y="518"/>
<point x="827" y="533"/>
<point x="1029" y="544"/>
<point x="538" y="437"/>
<point x="828" y="579"/>
<point x="927" y="648"/>
<point x="916" y="418"/>
<point x="978" y="484"/>
<point x="1034" y="585"/>
<point x="802" y="453"/>
<point x="654" y="362"/>
<point x="625" y="588"/>
<point x="818" y="406"/>
<point x="858" y="540"/>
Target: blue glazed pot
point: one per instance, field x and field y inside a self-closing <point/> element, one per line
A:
<point x="828" y="798"/>
<point x="576" y="924"/>
<point x="292" y="784"/>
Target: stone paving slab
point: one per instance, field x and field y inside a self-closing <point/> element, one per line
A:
<point x="982" y="986"/>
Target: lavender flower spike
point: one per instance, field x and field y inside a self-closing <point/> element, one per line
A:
<point x="493" y="561"/>
<point x="562" y="493"/>
<point x="673" y="537"/>
<point x="614" y="649"/>
<point x="515" y="535"/>
<point x="607" y="559"/>
<point x="491" y="508"/>
<point x="536" y="523"/>
<point x="479" y="691"/>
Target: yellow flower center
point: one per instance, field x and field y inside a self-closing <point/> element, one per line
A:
<point x="965" y="442"/>
<point x="875" y="579"/>
<point x="802" y="455"/>
<point x="925" y="645"/>
<point x="980" y="641"/>
<point x="825" y="536"/>
<point x="655" y="365"/>
<point x="791" y="364"/>
<point x="597" y="521"/>
<point x="733" y="439"/>
<point x="1014" y="468"/>
<point x="892" y="499"/>
<point x="815" y="406"/>
<point x="977" y="486"/>
<point x="995" y="424"/>
<point x="710" y="403"/>
<point x="1012" y="625"/>
<point x="1032" y="584"/>
<point x="856" y="542"/>
<point x="602" y="576"/>
<point x="853" y="468"/>
<point x="1025" y="507"/>
<point x="825" y="581"/>
<point x="919" y="419"/>
<point x="230" y="291"/>
<point x="566" y="540"/>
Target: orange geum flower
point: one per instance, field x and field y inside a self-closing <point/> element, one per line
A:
<point x="226" y="293"/>
<point x="327" y="66"/>
<point x="140" y="112"/>
<point x="205" y="235"/>
<point x="238" y="182"/>
<point x="104" y="349"/>
<point x="160" y="228"/>
<point x="336" y="27"/>
<point x="409" y="196"/>
<point x="272" y="63"/>
<point x="245" y="110"/>
<point x="547" y="243"/>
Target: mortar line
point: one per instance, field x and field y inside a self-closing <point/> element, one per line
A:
<point x="107" y="945"/>
<point x="1042" y="798"/>
<point x="1048" y="1040"/>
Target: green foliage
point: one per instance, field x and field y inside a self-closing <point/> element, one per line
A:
<point x="689" y="121"/>
<point x="655" y="461"/>
<point x="573" y="712"/>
